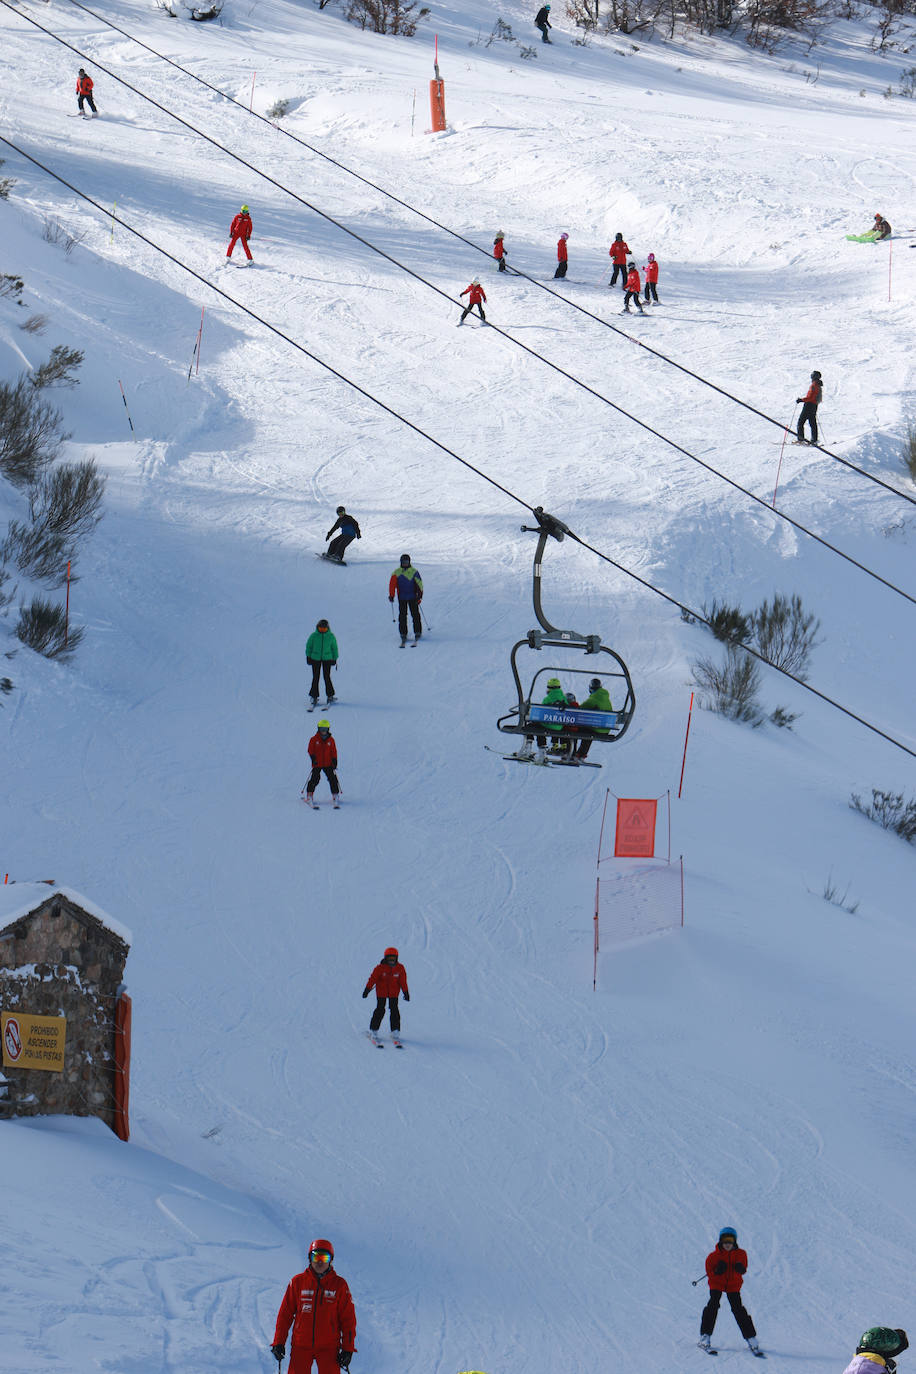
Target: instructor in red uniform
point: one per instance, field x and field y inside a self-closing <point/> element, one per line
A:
<point x="318" y="1306"/>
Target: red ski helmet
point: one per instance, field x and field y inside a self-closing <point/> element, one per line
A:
<point x="321" y="1245"/>
<point x="390" y="953"/>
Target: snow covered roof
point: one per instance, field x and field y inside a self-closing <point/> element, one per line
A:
<point x="20" y="899"/>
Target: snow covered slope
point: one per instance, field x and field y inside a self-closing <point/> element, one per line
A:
<point x="537" y="1178"/>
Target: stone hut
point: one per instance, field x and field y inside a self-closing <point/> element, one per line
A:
<point x="62" y="1001"/>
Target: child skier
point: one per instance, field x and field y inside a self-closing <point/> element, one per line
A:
<point x="561" y="256"/>
<point x="84" y="92"/>
<point x="349" y="530"/>
<point x="877" y="1350"/>
<point x="323" y="754"/>
<point x="321" y="656"/>
<point x="632" y="289"/>
<point x="389" y="978"/>
<point x="240" y="231"/>
<point x="809" y="404"/>
<point x="499" y="250"/>
<point x="651" y="279"/>
<point x="725" y="1269"/>
<point x="882" y="229"/>
<point x="475" y="294"/>
<point x="619" y="252"/>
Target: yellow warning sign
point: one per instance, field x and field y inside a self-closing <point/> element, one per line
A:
<point x="33" y="1042"/>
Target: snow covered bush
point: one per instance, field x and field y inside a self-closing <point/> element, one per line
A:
<point x="890" y="811"/>
<point x="6" y="184"/>
<point x="909" y="451"/>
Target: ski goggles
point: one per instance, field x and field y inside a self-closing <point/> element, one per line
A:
<point x="322" y="1256"/>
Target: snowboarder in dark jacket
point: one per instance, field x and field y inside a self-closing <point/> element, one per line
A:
<point x="809" y="404"/>
<point x="542" y="22"/>
<point x="389" y="978"/>
<point x="725" y="1270"/>
<point x="349" y="530"/>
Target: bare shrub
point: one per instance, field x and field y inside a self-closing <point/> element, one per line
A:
<point x="890" y="811"/>
<point x="278" y="109"/>
<point x="583" y="13"/>
<point x="728" y="623"/>
<point x="67" y="501"/>
<point x="783" y="719"/>
<point x="6" y="184"/>
<point x="909" y="451"/>
<point x="6" y="686"/>
<point x="785" y="634"/>
<point x="43" y="627"/>
<point x="730" y="689"/>
<point x="502" y="31"/>
<point x="386" y="16"/>
<point x="527" y="52"/>
<point x="54" y="232"/>
<point x="833" y="895"/>
<point x="59" y="369"/>
<point x="35" y="324"/>
<point x="12" y="286"/>
<point x="30" y="433"/>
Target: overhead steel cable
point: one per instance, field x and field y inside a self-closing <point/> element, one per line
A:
<point x="108" y="216"/>
<point x="772" y="510"/>
<point x="543" y="286"/>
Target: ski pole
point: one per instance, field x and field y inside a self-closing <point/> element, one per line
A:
<point x="393" y="616"/>
<point x="423" y="618"/>
<point x="694" y="1282"/>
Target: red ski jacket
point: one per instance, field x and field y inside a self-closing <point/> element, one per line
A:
<point x="84" y="85"/>
<point x="814" y="394"/>
<point x="498" y="249"/>
<point x="241" y="227"/>
<point x="320" y="1311"/>
<point x="323" y="752"/>
<point x="619" y="252"/>
<point x="561" y="250"/>
<point x="388" y="981"/>
<point x="475" y="294"/>
<point x="732" y="1276"/>
<point x="633" y="282"/>
<point x="651" y="271"/>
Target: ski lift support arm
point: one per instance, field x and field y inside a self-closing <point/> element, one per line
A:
<point x="549" y="527"/>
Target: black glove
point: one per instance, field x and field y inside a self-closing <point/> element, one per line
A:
<point x="327" y="536"/>
<point x="391" y="599"/>
<point x="365" y="992"/>
<point x="741" y="1268"/>
<point x="278" y="1351"/>
<point x="344" y="1357"/>
<point x="799" y="400"/>
<point x="720" y="1268"/>
<point x="406" y="996"/>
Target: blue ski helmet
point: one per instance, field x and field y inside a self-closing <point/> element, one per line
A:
<point x="730" y="1232"/>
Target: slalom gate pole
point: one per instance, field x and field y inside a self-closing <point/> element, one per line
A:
<point x="251" y="101"/>
<point x="782" y="449"/>
<point x="680" y="786"/>
<point x="126" y="407"/>
<point x="890" y="259"/>
<point x="67" y="610"/>
<point x="196" y="352"/>
<point x="113" y="209"/>
<point x="413" y="111"/>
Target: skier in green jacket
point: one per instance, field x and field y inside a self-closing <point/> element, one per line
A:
<point x="555" y="697"/>
<point x="598" y="699"/>
<point x="321" y="654"/>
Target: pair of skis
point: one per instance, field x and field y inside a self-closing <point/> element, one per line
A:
<point x="310" y="801"/>
<point x="312" y="704"/>
<point x="413" y="643"/>
<point x="760" y="1354"/>
<point x="380" y="1044"/>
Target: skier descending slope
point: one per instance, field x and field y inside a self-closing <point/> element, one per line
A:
<point x="725" y="1270"/>
<point x="84" y="92"/>
<point x="475" y="294"/>
<point x="408" y="584"/>
<point x="319" y="1307"/>
<point x="240" y="231"/>
<point x="389" y="978"/>
<point x="323" y="754"/>
<point x="877" y="1350"/>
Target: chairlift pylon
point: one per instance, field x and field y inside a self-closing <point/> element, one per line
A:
<point x="565" y="726"/>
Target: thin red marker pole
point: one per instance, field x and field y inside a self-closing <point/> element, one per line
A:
<point x="126" y="406"/>
<point x="251" y="101"/>
<point x="890" y="259"/>
<point x="782" y="449"/>
<point x="67" y="611"/>
<point x="686" y="738"/>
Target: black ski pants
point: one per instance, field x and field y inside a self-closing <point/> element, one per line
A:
<point x="414" y="615"/>
<point x="394" y="1014"/>
<point x="315" y="779"/>
<point x="561" y="270"/>
<point x="87" y="96"/>
<point x="467" y="310"/>
<point x="634" y="297"/>
<point x="317" y="666"/>
<point x="651" y="291"/>
<point x="619" y="267"/>
<point x="711" y="1311"/>
<point x="339" y="545"/>
<point x="543" y="28"/>
<point x="809" y="413"/>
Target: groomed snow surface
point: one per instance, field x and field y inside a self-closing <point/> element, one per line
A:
<point x="533" y="1184"/>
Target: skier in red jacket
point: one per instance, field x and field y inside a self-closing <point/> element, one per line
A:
<point x="389" y="978"/>
<point x="475" y="294"/>
<point x="809" y="404"/>
<point x="240" y="231"/>
<point x="619" y="252"/>
<point x="84" y="91"/>
<point x="633" y="289"/>
<point x="561" y="256"/>
<point x="499" y="250"/>
<point x="318" y="1306"/>
<point x="725" y="1270"/>
<point x="323" y="754"/>
<point x="651" y="279"/>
